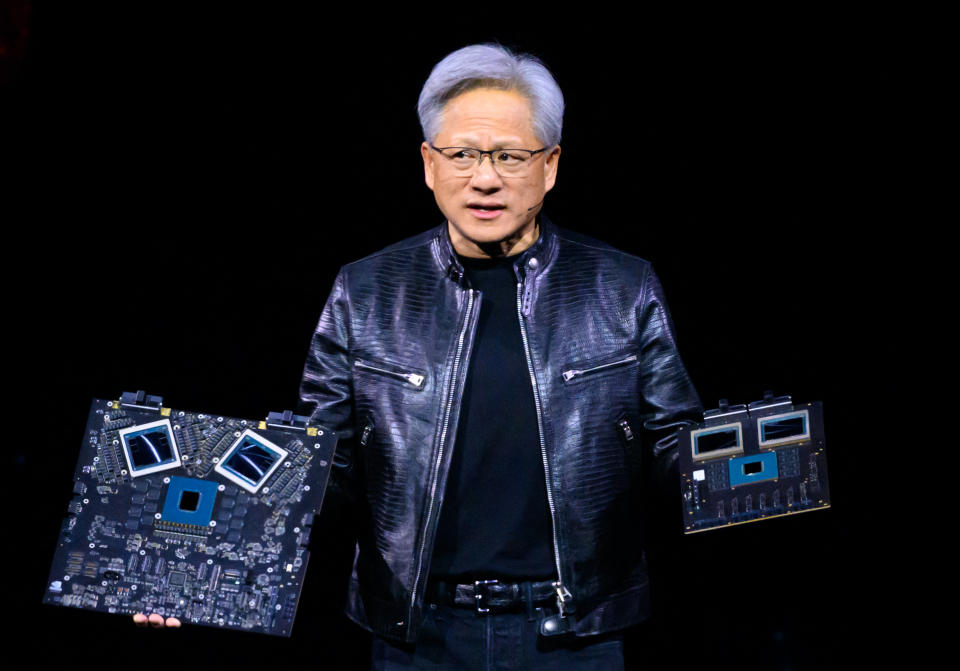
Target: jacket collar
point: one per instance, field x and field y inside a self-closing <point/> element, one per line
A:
<point x="533" y="260"/>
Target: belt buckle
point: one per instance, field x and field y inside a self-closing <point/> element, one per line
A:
<point x="480" y="594"/>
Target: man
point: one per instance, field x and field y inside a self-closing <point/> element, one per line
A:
<point x="502" y="388"/>
<point x="489" y="380"/>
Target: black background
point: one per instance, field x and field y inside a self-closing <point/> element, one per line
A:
<point x="192" y="181"/>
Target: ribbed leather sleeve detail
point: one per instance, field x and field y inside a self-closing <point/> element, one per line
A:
<point x="326" y="388"/>
<point x="669" y="400"/>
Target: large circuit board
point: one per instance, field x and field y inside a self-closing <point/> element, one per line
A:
<point x="751" y="462"/>
<point x="190" y="515"/>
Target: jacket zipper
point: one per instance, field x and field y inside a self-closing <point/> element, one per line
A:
<point x="570" y="374"/>
<point x="413" y="378"/>
<point x="443" y="435"/>
<point x="563" y="594"/>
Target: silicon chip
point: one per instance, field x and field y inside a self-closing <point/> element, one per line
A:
<point x="149" y="448"/>
<point x="251" y="460"/>
<point x="789" y="427"/>
<point x="716" y="441"/>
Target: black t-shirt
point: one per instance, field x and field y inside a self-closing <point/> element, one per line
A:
<point x="495" y="520"/>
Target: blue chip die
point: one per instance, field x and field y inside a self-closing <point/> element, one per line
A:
<point x="754" y="468"/>
<point x="189" y="501"/>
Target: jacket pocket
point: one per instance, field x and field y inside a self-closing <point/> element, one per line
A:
<point x="410" y="378"/>
<point x="588" y="368"/>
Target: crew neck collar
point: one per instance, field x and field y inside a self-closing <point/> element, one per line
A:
<point x="535" y="259"/>
<point x="486" y="261"/>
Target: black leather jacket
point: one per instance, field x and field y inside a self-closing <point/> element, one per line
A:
<point x="386" y="371"/>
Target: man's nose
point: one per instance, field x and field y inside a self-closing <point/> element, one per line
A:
<point x="485" y="175"/>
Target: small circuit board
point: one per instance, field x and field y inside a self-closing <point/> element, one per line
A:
<point x="753" y="462"/>
<point x="189" y="515"/>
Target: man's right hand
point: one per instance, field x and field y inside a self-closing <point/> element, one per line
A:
<point x="155" y="620"/>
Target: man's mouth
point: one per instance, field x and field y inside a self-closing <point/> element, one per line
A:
<point x="485" y="210"/>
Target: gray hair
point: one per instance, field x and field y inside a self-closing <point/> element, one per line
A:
<point x="494" y="66"/>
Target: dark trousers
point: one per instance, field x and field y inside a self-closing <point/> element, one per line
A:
<point x="459" y="638"/>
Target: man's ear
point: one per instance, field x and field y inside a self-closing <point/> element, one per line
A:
<point x="428" y="164"/>
<point x="551" y="163"/>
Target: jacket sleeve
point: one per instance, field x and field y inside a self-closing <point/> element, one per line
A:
<point x="668" y="399"/>
<point x="326" y="389"/>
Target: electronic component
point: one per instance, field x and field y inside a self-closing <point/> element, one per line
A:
<point x="190" y="515"/>
<point x="251" y="461"/>
<point x="753" y="468"/>
<point x="789" y="427"/>
<point x="189" y="501"/>
<point x="716" y="441"/>
<point x="746" y="463"/>
<point x="149" y="448"/>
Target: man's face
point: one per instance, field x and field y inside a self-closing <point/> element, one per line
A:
<point x="489" y="119"/>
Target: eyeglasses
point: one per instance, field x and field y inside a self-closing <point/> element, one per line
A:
<point x="505" y="161"/>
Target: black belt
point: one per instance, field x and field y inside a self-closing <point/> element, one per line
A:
<point x="487" y="595"/>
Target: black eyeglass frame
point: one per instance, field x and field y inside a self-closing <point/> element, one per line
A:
<point x="532" y="152"/>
